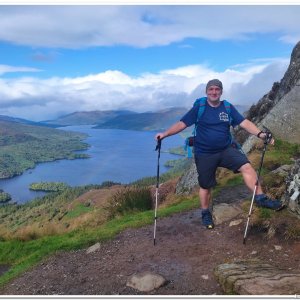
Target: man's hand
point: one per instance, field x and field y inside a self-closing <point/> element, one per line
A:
<point x="267" y="137"/>
<point x="159" y="136"/>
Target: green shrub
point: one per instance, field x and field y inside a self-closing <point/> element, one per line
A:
<point x="265" y="213"/>
<point x="4" y="197"/>
<point x="132" y="198"/>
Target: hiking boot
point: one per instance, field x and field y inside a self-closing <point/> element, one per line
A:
<point x="207" y="219"/>
<point x="264" y="201"/>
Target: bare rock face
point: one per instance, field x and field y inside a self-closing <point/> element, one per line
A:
<point x="254" y="277"/>
<point x="279" y="109"/>
<point x="284" y="119"/>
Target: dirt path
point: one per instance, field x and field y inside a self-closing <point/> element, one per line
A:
<point x="185" y="254"/>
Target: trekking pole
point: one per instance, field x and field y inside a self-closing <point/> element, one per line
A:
<point x="267" y="140"/>
<point x="158" y="146"/>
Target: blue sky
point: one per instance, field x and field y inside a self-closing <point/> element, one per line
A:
<point x="59" y="59"/>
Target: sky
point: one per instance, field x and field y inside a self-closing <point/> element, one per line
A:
<point x="58" y="59"/>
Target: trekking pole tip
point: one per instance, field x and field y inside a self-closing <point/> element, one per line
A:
<point x="244" y="241"/>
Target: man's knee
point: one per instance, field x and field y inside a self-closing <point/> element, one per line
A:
<point x="246" y="169"/>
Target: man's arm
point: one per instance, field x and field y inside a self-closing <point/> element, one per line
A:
<point x="176" y="128"/>
<point x="253" y="129"/>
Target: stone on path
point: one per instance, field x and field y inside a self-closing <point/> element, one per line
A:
<point x="146" y="281"/>
<point x="236" y="222"/>
<point x="224" y="212"/>
<point x="93" y="248"/>
<point x="254" y="277"/>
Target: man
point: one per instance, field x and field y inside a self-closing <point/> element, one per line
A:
<point x="213" y="148"/>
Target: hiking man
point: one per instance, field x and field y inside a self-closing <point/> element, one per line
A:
<point x="213" y="147"/>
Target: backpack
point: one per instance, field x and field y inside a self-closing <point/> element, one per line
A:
<point x="189" y="142"/>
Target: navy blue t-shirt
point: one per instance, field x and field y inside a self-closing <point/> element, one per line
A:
<point x="213" y="128"/>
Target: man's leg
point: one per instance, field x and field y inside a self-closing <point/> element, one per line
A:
<point x="250" y="178"/>
<point x="206" y="168"/>
<point x="204" y="195"/>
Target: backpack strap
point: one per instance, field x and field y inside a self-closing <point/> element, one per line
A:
<point x="234" y="143"/>
<point x="202" y="104"/>
<point x="228" y="109"/>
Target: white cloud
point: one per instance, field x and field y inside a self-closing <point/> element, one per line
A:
<point x="40" y="99"/>
<point x="80" y="26"/>
<point x="11" y="69"/>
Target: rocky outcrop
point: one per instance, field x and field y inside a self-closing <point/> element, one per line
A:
<point x="188" y="181"/>
<point x="279" y="109"/>
<point x="292" y="196"/>
<point x="284" y="119"/>
<point x="254" y="277"/>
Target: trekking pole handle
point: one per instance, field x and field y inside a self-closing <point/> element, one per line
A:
<point x="268" y="134"/>
<point x="158" y="145"/>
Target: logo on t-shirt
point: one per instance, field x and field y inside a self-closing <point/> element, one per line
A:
<point x="224" y="117"/>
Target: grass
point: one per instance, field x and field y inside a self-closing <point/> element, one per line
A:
<point x="78" y="211"/>
<point x="23" y="255"/>
<point x="265" y="213"/>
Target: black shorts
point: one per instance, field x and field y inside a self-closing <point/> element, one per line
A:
<point x="207" y="164"/>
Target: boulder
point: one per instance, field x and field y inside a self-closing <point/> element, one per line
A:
<point x="254" y="277"/>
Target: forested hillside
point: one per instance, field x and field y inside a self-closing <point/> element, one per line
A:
<point x="22" y="146"/>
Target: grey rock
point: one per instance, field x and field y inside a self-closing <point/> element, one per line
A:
<point x="188" y="181"/>
<point x="93" y="248"/>
<point x="146" y="281"/>
<point x="292" y="195"/>
<point x="224" y="212"/>
<point x="236" y="222"/>
<point x="283" y="170"/>
<point x="254" y="277"/>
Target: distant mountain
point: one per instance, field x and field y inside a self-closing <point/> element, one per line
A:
<point x="88" y="117"/>
<point x="125" y="119"/>
<point x="24" y="121"/>
<point x="145" y="121"/>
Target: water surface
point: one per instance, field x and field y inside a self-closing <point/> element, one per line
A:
<point x="115" y="155"/>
